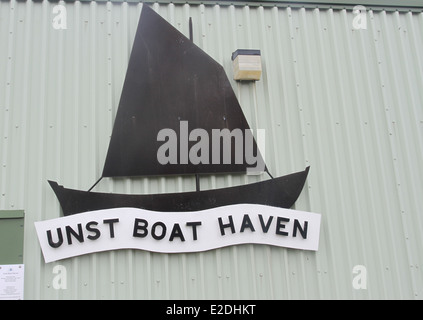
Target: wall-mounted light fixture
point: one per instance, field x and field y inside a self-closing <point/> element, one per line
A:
<point x="246" y="64"/>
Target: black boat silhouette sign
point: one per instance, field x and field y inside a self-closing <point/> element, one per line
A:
<point x="178" y="115"/>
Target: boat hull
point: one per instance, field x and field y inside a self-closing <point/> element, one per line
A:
<point x="278" y="192"/>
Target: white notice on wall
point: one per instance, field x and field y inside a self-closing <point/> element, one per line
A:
<point x="11" y="282"/>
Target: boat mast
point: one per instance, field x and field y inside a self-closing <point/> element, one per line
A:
<point x="191" y="37"/>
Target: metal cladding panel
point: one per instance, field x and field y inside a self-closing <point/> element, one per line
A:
<point x="346" y="102"/>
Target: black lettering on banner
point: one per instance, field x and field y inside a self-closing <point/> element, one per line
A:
<point x="303" y="231"/>
<point x="176" y="232"/>
<point x="246" y="223"/>
<point x="265" y="227"/>
<point x="111" y="222"/>
<point x="227" y="225"/>
<point x="153" y="231"/>
<point x="280" y="226"/>
<point x="78" y="235"/>
<point x="90" y="228"/>
<point x="194" y="228"/>
<point x="140" y="228"/>
<point x="59" y="236"/>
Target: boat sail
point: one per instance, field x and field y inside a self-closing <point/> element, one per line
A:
<point x="172" y="84"/>
<point x="170" y="80"/>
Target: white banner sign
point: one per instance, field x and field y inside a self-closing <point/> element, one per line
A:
<point x="173" y="232"/>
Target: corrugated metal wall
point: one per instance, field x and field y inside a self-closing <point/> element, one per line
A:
<point x="347" y="102"/>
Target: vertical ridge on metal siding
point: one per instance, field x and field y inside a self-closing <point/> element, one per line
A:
<point x="346" y="102"/>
